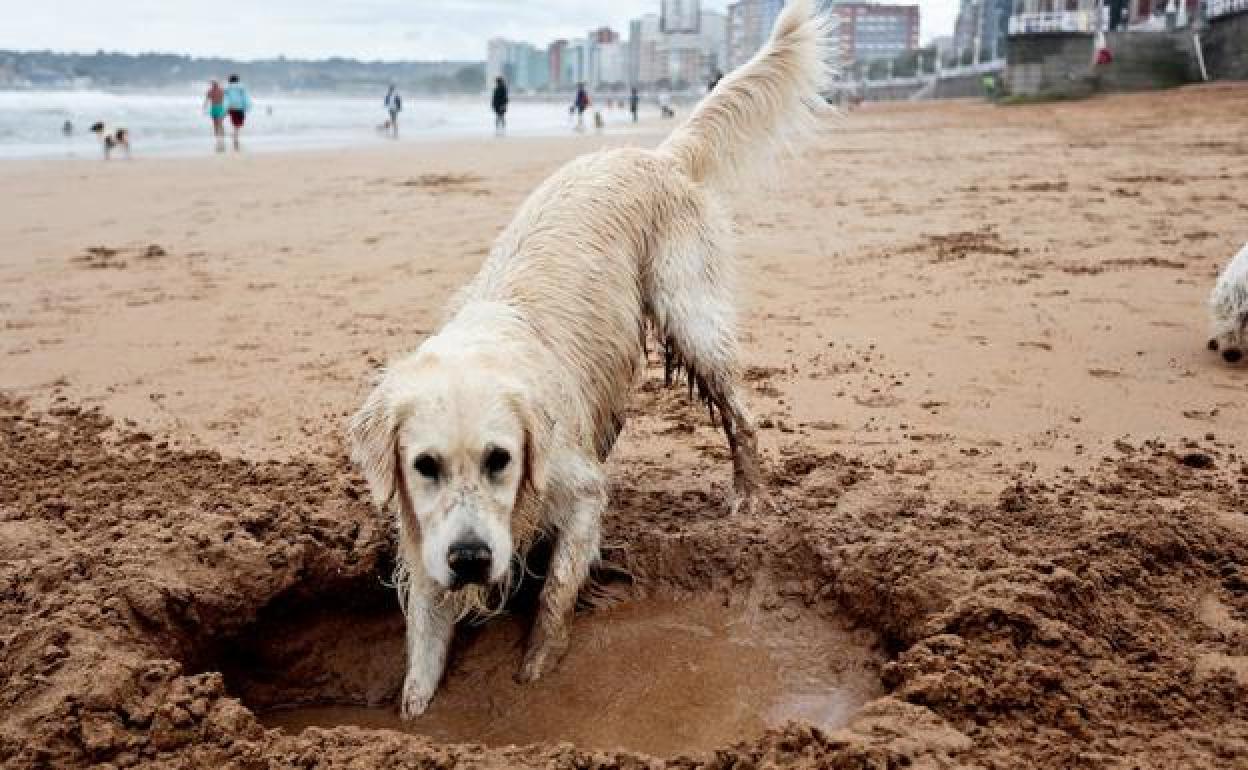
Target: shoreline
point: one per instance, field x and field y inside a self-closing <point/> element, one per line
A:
<point x="172" y="124"/>
<point x="642" y="132"/>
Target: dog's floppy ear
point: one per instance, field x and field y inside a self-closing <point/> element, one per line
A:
<point x="537" y="431"/>
<point x="373" y="435"/>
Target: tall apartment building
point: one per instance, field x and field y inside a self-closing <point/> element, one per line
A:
<point x="984" y="23"/>
<point x="522" y="65"/>
<point x="646" y="50"/>
<point x="748" y="27"/>
<point x="868" y="31"/>
<point x="679" y="17"/>
<point x="576" y="64"/>
<point x="556" y="52"/>
<point x="714" y="34"/>
<point x="676" y="60"/>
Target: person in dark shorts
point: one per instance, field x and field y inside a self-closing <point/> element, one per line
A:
<point x="237" y="105"/>
<point x="394" y="105"/>
<point x="499" y="103"/>
<point x="581" y="104"/>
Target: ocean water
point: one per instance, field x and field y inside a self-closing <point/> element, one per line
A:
<point x="174" y="123"/>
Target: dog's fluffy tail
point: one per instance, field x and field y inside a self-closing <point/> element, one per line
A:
<point x="763" y="107"/>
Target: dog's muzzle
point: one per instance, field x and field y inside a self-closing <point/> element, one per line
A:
<point x="470" y="561"/>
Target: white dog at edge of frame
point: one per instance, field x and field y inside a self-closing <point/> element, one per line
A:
<point x="1228" y="308"/>
<point x="496" y="429"/>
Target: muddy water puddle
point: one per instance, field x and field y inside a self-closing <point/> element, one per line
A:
<point x="656" y="677"/>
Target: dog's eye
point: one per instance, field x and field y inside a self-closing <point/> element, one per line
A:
<point x="428" y="466"/>
<point x="496" y="461"/>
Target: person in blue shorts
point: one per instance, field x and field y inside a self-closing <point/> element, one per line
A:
<point x="214" y="105"/>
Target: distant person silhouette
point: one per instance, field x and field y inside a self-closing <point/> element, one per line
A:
<point x="499" y="102"/>
<point x="394" y="105"/>
<point x="718" y="76"/>
<point x="634" y="101"/>
<point x="237" y="105"/>
<point x="67" y="128"/>
<point x="581" y="105"/>
<point x="214" y="105"/>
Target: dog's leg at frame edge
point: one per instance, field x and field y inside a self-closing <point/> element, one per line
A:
<point x="576" y="549"/>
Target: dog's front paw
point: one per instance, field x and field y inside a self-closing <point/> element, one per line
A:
<point x="415" y="701"/>
<point x="543" y="656"/>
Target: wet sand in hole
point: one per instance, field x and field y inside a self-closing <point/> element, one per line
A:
<point x="655" y="677"/>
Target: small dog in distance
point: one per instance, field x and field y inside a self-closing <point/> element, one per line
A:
<point x="112" y="140"/>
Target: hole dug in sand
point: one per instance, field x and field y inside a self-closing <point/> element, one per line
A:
<point x="661" y="677"/>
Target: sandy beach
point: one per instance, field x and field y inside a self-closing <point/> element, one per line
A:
<point x="1010" y="476"/>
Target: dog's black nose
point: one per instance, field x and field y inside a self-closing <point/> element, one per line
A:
<point x="469" y="561"/>
<point x="1232" y="356"/>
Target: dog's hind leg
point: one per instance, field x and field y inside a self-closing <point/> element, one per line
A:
<point x="692" y="294"/>
<point x="576" y="549"/>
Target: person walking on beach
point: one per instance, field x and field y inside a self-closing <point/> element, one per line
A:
<point x="499" y="103"/>
<point x="237" y="105"/>
<point x="581" y="105"/>
<point x="634" y="101"/>
<point x="214" y="105"/>
<point x="394" y="105"/>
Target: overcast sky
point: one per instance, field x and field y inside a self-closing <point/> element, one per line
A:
<point x="365" y="29"/>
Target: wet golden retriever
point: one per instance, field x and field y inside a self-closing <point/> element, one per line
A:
<point x="496" y="429"/>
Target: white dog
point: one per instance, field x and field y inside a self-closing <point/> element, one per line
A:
<point x="1229" y="307"/>
<point x="497" y="428"/>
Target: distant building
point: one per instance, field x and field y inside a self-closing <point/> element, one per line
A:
<point x="1037" y="17"/>
<point x="984" y="24"/>
<point x="644" y="35"/>
<point x="868" y="31"/>
<point x="604" y="35"/>
<point x="714" y="36"/>
<point x="603" y="60"/>
<point x="610" y="64"/>
<point x="676" y="60"/>
<point x="555" y="54"/>
<point x="680" y="17"/>
<point x="749" y="25"/>
<point x="522" y="65"/>
<point x="942" y="43"/>
<point x="538" y="69"/>
<point x="495" y="60"/>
